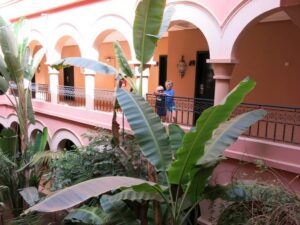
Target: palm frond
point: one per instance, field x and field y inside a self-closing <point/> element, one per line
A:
<point x="42" y="158"/>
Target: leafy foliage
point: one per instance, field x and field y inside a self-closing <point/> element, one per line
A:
<point x="260" y="204"/>
<point x="197" y="151"/>
<point x="13" y="166"/>
<point x="98" y="158"/>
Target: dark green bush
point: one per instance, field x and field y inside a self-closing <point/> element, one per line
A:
<point x="99" y="158"/>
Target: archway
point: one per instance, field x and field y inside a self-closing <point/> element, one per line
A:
<point x="267" y="51"/>
<point x="1" y="127"/>
<point x="71" y="81"/>
<point x="40" y="80"/>
<point x="66" y="144"/>
<point x="184" y="42"/>
<point x="59" y="140"/>
<point x="104" y="45"/>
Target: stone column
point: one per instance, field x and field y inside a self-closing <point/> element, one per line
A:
<point x="222" y="69"/>
<point x="146" y="74"/>
<point x="89" y="89"/>
<point x="53" y="74"/>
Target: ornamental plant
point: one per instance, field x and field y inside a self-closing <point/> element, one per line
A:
<point x="183" y="162"/>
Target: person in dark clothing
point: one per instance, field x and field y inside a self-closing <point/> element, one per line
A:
<point x="160" y="103"/>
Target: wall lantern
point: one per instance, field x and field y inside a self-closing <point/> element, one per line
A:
<point x="181" y="66"/>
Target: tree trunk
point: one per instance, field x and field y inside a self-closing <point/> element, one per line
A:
<point x="156" y="205"/>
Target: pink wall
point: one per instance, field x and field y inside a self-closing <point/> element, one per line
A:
<point x="185" y="43"/>
<point x="162" y="49"/>
<point x="270" y="53"/>
<point x="56" y="117"/>
<point x="107" y="82"/>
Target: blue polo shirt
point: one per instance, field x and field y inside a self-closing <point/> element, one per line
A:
<point x="169" y="98"/>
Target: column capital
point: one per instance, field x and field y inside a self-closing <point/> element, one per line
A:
<point x="222" y="68"/>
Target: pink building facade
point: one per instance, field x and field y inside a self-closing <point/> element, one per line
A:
<point x="221" y="43"/>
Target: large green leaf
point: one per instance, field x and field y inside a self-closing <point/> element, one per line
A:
<point x="8" y="142"/>
<point x="3" y="85"/>
<point x="3" y="69"/>
<point x="148" y="18"/>
<point x="124" y="65"/>
<point x="9" y="48"/>
<point x="30" y="112"/>
<point x="119" y="212"/>
<point x="74" y="195"/>
<point x="148" y="130"/>
<point x="226" y="135"/>
<point x="30" y="195"/>
<point x="87" y="215"/>
<point x="85" y="63"/>
<point x="131" y="195"/>
<point x="168" y="13"/>
<point x="41" y="141"/>
<point x="176" y="135"/>
<point x="24" y="59"/>
<point x="36" y="60"/>
<point x="194" y="142"/>
<point x="223" y="137"/>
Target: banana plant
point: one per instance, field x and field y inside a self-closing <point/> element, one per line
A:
<point x="183" y="180"/>
<point x="13" y="165"/>
<point x="17" y="68"/>
<point x="151" y="22"/>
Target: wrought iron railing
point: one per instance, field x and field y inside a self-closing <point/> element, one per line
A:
<point x="103" y="100"/>
<point x="41" y="92"/>
<point x="281" y="124"/>
<point x="74" y="96"/>
<point x="187" y="110"/>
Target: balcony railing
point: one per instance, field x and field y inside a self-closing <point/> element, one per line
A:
<point x="73" y="96"/>
<point x="41" y="92"/>
<point x="103" y="100"/>
<point x="187" y="110"/>
<point x="281" y="124"/>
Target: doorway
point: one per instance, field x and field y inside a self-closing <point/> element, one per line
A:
<point x="69" y="83"/>
<point x="163" y="65"/>
<point x="204" y="84"/>
<point x="34" y="87"/>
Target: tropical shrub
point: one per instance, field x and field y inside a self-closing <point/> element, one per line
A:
<point x="183" y="181"/>
<point x="20" y="165"/>
<point x="183" y="162"/>
<point x="98" y="158"/>
<point x="260" y="204"/>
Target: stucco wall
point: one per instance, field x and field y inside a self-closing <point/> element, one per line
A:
<point x="185" y="43"/>
<point x="107" y="82"/>
<point x="270" y="53"/>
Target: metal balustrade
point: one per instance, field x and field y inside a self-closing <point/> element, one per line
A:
<point x="73" y="96"/>
<point x="41" y="92"/>
<point x="187" y="110"/>
<point x="103" y="100"/>
<point x="281" y="124"/>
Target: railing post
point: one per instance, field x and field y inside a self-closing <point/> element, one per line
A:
<point x="53" y="73"/>
<point x="89" y="89"/>
<point x="222" y="70"/>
